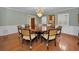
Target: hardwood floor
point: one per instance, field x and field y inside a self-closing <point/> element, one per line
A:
<point x="64" y="43"/>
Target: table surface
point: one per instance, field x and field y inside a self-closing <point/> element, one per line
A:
<point x="38" y="29"/>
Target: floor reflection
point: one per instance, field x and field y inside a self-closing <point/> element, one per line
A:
<point x="62" y="46"/>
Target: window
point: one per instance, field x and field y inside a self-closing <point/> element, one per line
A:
<point x="63" y="19"/>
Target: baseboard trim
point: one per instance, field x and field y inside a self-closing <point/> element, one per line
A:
<point x="9" y="34"/>
<point x="70" y="35"/>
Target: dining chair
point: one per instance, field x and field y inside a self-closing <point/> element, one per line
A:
<point x="59" y="28"/>
<point x="50" y="35"/>
<point x="27" y="26"/>
<point x="19" y="31"/>
<point x="44" y="27"/>
<point x="26" y="35"/>
<point x="43" y="30"/>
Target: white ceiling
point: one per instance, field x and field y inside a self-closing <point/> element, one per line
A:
<point x="47" y="10"/>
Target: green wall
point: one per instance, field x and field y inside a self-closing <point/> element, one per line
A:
<point x="11" y="17"/>
<point x="2" y="16"/>
<point x="73" y="16"/>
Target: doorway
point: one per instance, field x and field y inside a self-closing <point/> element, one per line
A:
<point x="32" y="23"/>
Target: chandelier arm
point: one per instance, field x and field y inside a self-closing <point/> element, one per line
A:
<point x="39" y="12"/>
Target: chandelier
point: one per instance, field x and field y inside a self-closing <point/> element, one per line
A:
<point x="39" y="11"/>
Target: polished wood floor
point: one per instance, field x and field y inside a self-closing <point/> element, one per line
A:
<point x="64" y="43"/>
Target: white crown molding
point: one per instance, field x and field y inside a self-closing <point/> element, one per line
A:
<point x="15" y="10"/>
<point x="53" y="11"/>
<point x="66" y="9"/>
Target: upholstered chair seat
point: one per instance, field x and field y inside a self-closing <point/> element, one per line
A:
<point x="28" y="38"/>
<point x="50" y="35"/>
<point x="25" y="34"/>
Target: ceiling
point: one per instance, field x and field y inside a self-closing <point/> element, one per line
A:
<point x="47" y="10"/>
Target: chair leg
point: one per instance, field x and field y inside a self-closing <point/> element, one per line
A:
<point x="37" y="39"/>
<point x="55" y="42"/>
<point x="41" y="38"/>
<point x="47" y="48"/>
<point x="22" y="42"/>
<point x="30" y="45"/>
<point x="47" y="44"/>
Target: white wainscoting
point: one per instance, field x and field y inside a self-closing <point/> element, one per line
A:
<point x="5" y="30"/>
<point x="73" y="30"/>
